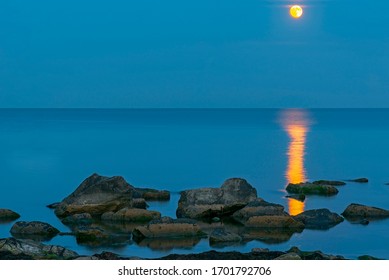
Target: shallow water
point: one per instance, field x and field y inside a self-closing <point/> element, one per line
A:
<point x="45" y="154"/>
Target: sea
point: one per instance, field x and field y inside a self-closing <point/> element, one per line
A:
<point x="47" y="153"/>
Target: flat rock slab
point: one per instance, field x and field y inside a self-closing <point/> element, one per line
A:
<point x="168" y="228"/>
<point x="319" y="219"/>
<point x="131" y="215"/>
<point x="34" y="230"/>
<point x="273" y="222"/>
<point x="359" y="212"/>
<point x="258" y="207"/>
<point x="310" y="188"/>
<point x="11" y="248"/>
<point x="329" y="182"/>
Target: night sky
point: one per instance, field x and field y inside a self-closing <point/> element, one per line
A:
<point x="201" y="54"/>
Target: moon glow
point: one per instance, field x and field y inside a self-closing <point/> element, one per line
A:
<point x="296" y="11"/>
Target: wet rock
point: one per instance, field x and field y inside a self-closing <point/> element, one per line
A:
<point x="258" y="207"/>
<point x="315" y="255"/>
<point x="7" y="215"/>
<point x="168" y="228"/>
<point x="221" y="235"/>
<point x="360" y="180"/>
<point x="289" y="256"/>
<point x="53" y="205"/>
<point x="11" y="248"/>
<point x="309" y="188"/>
<point x="78" y="219"/>
<point x="131" y="215"/>
<point x="233" y="195"/>
<point x="214" y="255"/>
<point x="139" y="203"/>
<point x="259" y="250"/>
<point x="95" y="236"/>
<point x="367" y="258"/>
<point x="269" y="235"/>
<point x="152" y="194"/>
<point x="299" y="197"/>
<point x="38" y="231"/>
<point x="355" y="212"/>
<point x="97" y="195"/>
<point x="328" y="182"/>
<point x="273" y="222"/>
<point x="319" y="219"/>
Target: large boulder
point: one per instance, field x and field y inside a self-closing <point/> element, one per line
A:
<point x="310" y="188"/>
<point x="97" y="195"/>
<point x="11" y="248"/>
<point x="7" y="215"/>
<point x="168" y="228"/>
<point x="319" y="219"/>
<point x="33" y="230"/>
<point x="131" y="215"/>
<point x="358" y="212"/>
<point x="258" y="207"/>
<point x="233" y="195"/>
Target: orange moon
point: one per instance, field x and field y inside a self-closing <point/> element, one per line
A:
<point x="296" y="11"/>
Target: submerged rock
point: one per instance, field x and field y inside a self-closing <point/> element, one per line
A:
<point x="309" y="188"/>
<point x="269" y="235"/>
<point x="328" y="182"/>
<point x="258" y="207"/>
<point x="97" y="195"/>
<point x="360" y="180"/>
<point x="233" y="195"/>
<point x="168" y="228"/>
<point x="319" y="219"/>
<point x="7" y="215"/>
<point x="358" y="211"/>
<point x="14" y="249"/>
<point x="78" y="219"/>
<point x="33" y="230"/>
<point x="131" y="215"/>
<point x="222" y="236"/>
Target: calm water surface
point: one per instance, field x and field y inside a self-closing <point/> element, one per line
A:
<point x="45" y="154"/>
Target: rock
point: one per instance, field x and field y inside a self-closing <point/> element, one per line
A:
<point x="299" y="197"/>
<point x="7" y="215"/>
<point x="33" y="230"/>
<point x="97" y="195"/>
<point x="289" y="256"/>
<point x="319" y="219"/>
<point x="309" y="188"/>
<point x="214" y="255"/>
<point x="273" y="222"/>
<point x="131" y="215"/>
<point x="259" y="250"/>
<point x="139" y="203"/>
<point x="53" y="205"/>
<point x="258" y="207"/>
<point x="360" y="180"/>
<point x="11" y="248"/>
<point x="233" y="195"/>
<point x="91" y="235"/>
<point x="78" y="219"/>
<point x="221" y="235"/>
<point x="367" y="258"/>
<point x="215" y="219"/>
<point x="168" y="244"/>
<point x="167" y="228"/>
<point x="152" y="194"/>
<point x="315" y="255"/>
<point x="328" y="182"/>
<point x="357" y="212"/>
<point x="269" y="235"/>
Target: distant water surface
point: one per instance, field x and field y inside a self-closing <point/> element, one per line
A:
<point x="47" y="153"/>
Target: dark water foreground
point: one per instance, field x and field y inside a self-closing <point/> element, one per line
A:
<point x="47" y="153"/>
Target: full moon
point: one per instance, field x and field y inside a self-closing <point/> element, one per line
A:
<point x="296" y="11"/>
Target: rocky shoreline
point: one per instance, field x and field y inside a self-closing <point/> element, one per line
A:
<point x="108" y="210"/>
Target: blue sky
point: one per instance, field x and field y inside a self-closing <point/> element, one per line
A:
<point x="203" y="53"/>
